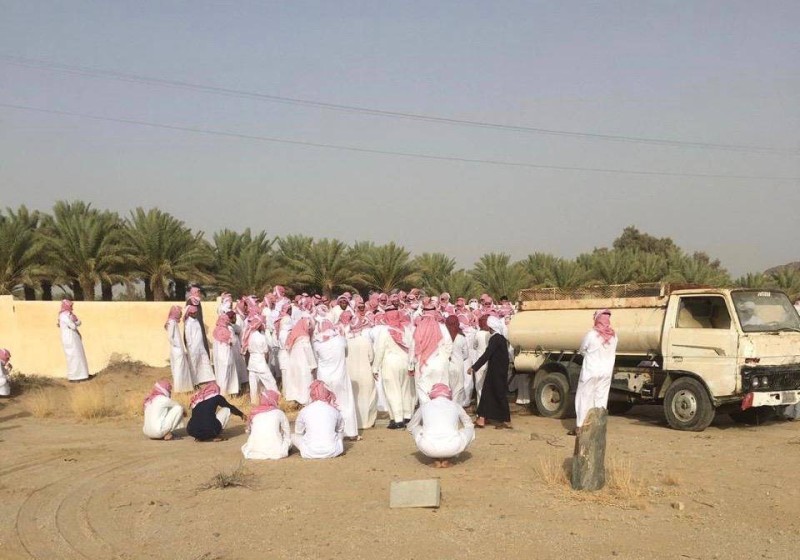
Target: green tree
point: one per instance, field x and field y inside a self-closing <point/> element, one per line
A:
<point x="245" y="263"/>
<point x="461" y="284"/>
<point x="386" y="268"/>
<point x="753" y="280"/>
<point x="81" y="247"/>
<point x="161" y="249"/>
<point x="632" y="239"/>
<point x="538" y="267"/>
<point x="435" y="271"/>
<point x="324" y="266"/>
<point x="566" y="274"/>
<point x="496" y="274"/>
<point x="788" y="280"/>
<point x="686" y="269"/>
<point x="20" y="251"/>
<point x="612" y="267"/>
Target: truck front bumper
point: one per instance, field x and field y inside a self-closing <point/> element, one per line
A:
<point x="770" y="398"/>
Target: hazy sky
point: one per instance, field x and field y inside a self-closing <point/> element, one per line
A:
<point x="716" y="72"/>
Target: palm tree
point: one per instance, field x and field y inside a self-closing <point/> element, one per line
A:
<point x="650" y="267"/>
<point x="496" y="274"/>
<point x="434" y="271"/>
<point x="788" y="280"/>
<point x="538" y="267"/>
<point x="245" y="263"/>
<point x="461" y="284"/>
<point x="612" y="267"/>
<point x="324" y="266"/>
<point x="20" y="249"/>
<point x="160" y="249"/>
<point x="753" y="280"/>
<point x="387" y="267"/>
<point x="687" y="269"/>
<point x="81" y="247"/>
<point x="567" y="275"/>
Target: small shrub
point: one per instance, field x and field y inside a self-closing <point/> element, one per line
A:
<point x="238" y="477"/>
<point x="22" y="383"/>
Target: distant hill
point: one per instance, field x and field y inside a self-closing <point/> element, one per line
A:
<point x="776" y="269"/>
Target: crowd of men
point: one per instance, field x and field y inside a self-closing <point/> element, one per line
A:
<point x="389" y="352"/>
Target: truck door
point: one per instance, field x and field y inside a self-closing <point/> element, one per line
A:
<point x="702" y="339"/>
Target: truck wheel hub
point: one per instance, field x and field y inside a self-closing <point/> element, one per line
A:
<point x="684" y="405"/>
<point x="551" y="397"/>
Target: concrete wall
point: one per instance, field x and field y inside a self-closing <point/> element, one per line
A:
<point x="109" y="330"/>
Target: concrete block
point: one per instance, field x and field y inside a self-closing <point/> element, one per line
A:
<point x="415" y="493"/>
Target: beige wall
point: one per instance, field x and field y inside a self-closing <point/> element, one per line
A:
<point x="110" y="329"/>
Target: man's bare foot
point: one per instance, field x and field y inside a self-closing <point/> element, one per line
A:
<point x="168" y="437"/>
<point x="437" y="464"/>
<point x="218" y="439"/>
<point x="445" y="464"/>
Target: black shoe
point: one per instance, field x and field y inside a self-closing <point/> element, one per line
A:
<point x="393" y="425"/>
<point x="406" y="420"/>
<point x="401" y="425"/>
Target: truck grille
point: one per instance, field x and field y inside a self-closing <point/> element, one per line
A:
<point x="779" y="378"/>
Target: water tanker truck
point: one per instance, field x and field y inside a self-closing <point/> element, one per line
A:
<point x="695" y="351"/>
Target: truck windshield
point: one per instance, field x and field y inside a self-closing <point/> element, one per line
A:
<point x="765" y="311"/>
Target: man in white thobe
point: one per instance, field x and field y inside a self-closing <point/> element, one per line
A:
<point x="319" y="426"/>
<point x="441" y="428"/>
<point x="599" y="348"/>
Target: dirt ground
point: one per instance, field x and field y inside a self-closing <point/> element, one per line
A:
<point x="98" y="489"/>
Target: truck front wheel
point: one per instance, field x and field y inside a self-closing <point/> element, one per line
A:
<point x="687" y="405"/>
<point x="553" y="398"/>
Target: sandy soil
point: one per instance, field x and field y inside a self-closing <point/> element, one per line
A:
<point x="100" y="490"/>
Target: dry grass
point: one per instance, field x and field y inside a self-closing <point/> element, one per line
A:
<point x="90" y="402"/>
<point x="237" y="478"/>
<point x="122" y="363"/>
<point x="22" y="383"/>
<point x="43" y="403"/>
<point x="552" y="472"/>
<point x="623" y="489"/>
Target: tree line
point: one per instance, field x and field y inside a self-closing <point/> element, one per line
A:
<point x="77" y="248"/>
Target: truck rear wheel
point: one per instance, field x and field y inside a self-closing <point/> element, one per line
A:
<point x="553" y="398"/>
<point x="687" y="405"/>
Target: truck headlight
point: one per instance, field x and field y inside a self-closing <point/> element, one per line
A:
<point x="764" y="381"/>
<point x="754" y="383"/>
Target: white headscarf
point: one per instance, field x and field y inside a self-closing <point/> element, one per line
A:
<point x="497" y="325"/>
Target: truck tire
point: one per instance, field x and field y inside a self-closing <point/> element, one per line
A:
<point x="553" y="397"/>
<point x="687" y="405"/>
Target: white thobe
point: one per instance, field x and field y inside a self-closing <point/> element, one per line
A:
<point x="370" y="334"/>
<point x="392" y="364"/>
<point x="359" y="369"/>
<point x="298" y="377"/>
<point x="437" y="368"/>
<point x="198" y="357"/>
<point x="257" y="366"/>
<point x="162" y="416"/>
<point x="331" y="370"/>
<point x="5" y="385"/>
<point x="596" y="373"/>
<point x="239" y="363"/>
<point x="178" y="360"/>
<point x="318" y="431"/>
<point x="77" y="366"/>
<point x="224" y="368"/>
<point x="441" y="428"/>
<point x="269" y="438"/>
<point x="459" y="359"/>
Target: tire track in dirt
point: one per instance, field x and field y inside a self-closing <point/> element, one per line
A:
<point x="53" y="521"/>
